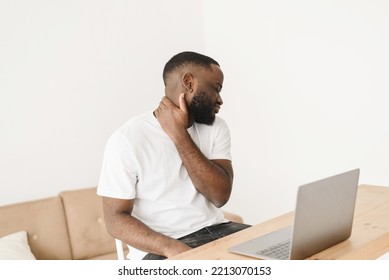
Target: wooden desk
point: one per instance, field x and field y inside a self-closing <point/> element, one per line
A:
<point x="369" y="238"/>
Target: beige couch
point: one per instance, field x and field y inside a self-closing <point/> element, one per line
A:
<point x="67" y="227"/>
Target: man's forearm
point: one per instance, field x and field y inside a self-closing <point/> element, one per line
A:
<point x="138" y="235"/>
<point x="213" y="179"/>
<point x="209" y="178"/>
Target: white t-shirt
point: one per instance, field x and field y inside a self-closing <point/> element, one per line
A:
<point x="142" y="163"/>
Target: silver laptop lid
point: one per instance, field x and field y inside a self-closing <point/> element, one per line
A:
<point x="324" y="214"/>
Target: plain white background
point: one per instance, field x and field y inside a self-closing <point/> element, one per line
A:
<point x="305" y="91"/>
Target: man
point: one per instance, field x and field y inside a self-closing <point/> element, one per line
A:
<point x="166" y="173"/>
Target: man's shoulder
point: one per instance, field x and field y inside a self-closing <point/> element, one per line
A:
<point x="135" y="126"/>
<point x="136" y="122"/>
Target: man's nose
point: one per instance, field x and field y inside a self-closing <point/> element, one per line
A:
<point x="219" y="99"/>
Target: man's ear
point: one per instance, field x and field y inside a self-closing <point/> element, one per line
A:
<point x="188" y="82"/>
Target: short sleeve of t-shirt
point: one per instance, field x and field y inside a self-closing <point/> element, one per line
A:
<point x="118" y="176"/>
<point x="221" y="148"/>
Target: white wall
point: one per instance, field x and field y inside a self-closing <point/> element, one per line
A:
<point x="304" y="91"/>
<point x="306" y="86"/>
<point x="73" y="71"/>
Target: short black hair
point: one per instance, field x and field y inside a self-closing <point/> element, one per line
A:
<point x="185" y="58"/>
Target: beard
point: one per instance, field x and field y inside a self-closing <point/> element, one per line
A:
<point x="202" y="109"/>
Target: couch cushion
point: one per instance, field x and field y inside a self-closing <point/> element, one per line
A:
<point x="88" y="235"/>
<point x="44" y="221"/>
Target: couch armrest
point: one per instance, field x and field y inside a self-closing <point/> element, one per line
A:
<point x="233" y="217"/>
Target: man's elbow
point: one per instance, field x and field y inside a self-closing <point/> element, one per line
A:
<point x="113" y="223"/>
<point x="221" y="200"/>
<point x="110" y="225"/>
<point x="220" y="203"/>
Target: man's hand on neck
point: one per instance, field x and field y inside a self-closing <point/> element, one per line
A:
<point x="174" y="120"/>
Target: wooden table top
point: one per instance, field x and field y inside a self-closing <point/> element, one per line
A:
<point x="369" y="238"/>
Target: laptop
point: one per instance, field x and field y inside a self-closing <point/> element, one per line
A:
<point x="323" y="217"/>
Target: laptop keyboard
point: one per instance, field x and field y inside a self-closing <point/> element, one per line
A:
<point x="277" y="251"/>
